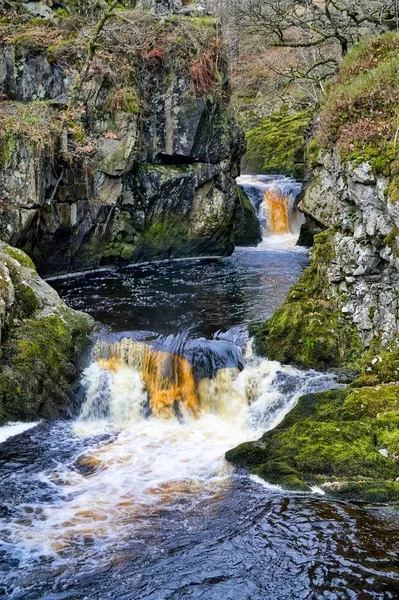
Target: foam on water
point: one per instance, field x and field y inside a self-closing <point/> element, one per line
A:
<point x="151" y="465"/>
<point x="12" y="429"/>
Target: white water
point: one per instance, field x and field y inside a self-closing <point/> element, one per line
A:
<point x="255" y="186"/>
<point x="12" y="429"/>
<point x="152" y="464"/>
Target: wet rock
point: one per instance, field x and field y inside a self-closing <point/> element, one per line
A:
<point x="307" y="233"/>
<point x="87" y="465"/>
<point x="247" y="230"/>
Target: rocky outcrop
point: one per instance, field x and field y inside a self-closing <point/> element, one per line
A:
<point x="41" y="340"/>
<point x="142" y="167"/>
<point x="247" y="225"/>
<point x="343" y="312"/>
<point x="363" y="278"/>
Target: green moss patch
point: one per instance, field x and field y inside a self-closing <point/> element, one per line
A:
<point x="277" y="144"/>
<point x="309" y="329"/>
<point x="41" y="341"/>
<point x="333" y="439"/>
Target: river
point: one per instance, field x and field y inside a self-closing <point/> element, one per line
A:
<point x="133" y="499"/>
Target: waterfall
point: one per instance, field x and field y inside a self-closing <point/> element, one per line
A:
<point x="275" y="198"/>
<point x="276" y="208"/>
<point x="130" y="381"/>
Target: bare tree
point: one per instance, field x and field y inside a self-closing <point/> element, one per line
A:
<point x="310" y="23"/>
<point x="319" y="32"/>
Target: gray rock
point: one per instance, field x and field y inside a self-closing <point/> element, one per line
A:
<point x="363" y="278"/>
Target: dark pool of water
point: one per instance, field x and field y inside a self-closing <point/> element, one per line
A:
<point x="201" y="296"/>
<point x="248" y="543"/>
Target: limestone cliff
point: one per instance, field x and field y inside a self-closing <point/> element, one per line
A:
<point x="142" y="163"/>
<point x="344" y="310"/>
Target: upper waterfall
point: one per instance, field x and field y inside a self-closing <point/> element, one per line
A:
<point x="275" y="198"/>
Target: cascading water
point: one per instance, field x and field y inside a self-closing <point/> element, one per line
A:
<point x="133" y="500"/>
<point x="275" y="199"/>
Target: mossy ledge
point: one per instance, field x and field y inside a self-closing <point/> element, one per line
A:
<point x="309" y="330"/>
<point x="41" y="342"/>
<point x="345" y="441"/>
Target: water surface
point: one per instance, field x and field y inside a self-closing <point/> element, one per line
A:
<point x="120" y="504"/>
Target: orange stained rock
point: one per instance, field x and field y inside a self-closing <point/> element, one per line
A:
<point x="278" y="212"/>
<point x="110" y="364"/>
<point x="169" y="378"/>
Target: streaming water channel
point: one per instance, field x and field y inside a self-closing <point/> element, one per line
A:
<point x="133" y="499"/>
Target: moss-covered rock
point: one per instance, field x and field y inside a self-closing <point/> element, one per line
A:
<point x="346" y="441"/>
<point x="41" y="343"/>
<point x="247" y="231"/>
<point x="277" y="144"/>
<point x="309" y="330"/>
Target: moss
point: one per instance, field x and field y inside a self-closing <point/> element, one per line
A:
<point x="309" y="329"/>
<point x="8" y="145"/>
<point x="118" y="249"/>
<point x="35" y="122"/>
<point x="333" y="439"/>
<point x="393" y="190"/>
<point x="360" y="114"/>
<point x="124" y="99"/>
<point x="29" y="41"/>
<point x="26" y="300"/>
<point x="38" y="351"/>
<point x="36" y="361"/>
<point x="165" y="236"/>
<point x="61" y="13"/>
<point x="19" y="256"/>
<point x="372" y="492"/>
<point x="280" y="473"/>
<point x="277" y="145"/>
<point x="201" y="22"/>
<point x="65" y="50"/>
<point x="313" y="152"/>
<point x="248" y="454"/>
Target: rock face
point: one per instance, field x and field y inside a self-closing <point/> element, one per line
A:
<point x="142" y="167"/>
<point x="40" y="343"/>
<point x="363" y="278"/>
<point x="343" y="312"/>
<point x="247" y="225"/>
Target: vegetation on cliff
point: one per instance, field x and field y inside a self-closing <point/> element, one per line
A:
<point x="309" y="330"/>
<point x="101" y="91"/>
<point x="277" y="144"/>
